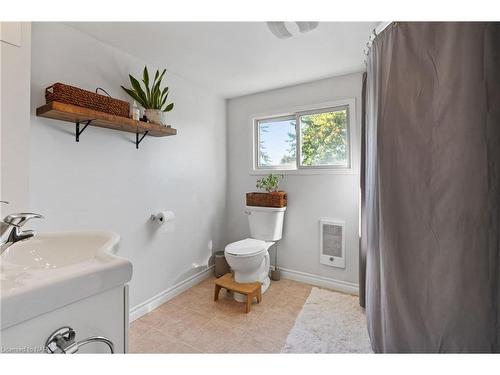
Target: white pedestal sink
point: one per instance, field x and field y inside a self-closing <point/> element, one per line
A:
<point x="63" y="276"/>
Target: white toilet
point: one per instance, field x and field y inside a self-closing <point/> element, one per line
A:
<point x="249" y="258"/>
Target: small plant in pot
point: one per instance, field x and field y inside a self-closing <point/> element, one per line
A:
<point x="273" y="197"/>
<point x="152" y="98"/>
<point x="269" y="183"/>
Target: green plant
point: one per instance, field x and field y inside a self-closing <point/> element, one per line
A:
<point x="153" y="97"/>
<point x="269" y="183"/>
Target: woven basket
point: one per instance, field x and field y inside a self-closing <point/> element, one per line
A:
<point x="67" y="94"/>
<point x="277" y="199"/>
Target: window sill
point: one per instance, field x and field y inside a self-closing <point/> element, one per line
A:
<point x="305" y="172"/>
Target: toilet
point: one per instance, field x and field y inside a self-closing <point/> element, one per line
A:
<point x="249" y="258"/>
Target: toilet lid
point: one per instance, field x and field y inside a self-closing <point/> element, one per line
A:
<point x="248" y="246"/>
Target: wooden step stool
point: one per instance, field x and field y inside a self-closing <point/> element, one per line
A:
<point x="251" y="290"/>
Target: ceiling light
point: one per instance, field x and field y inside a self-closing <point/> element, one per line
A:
<point x="304" y="27"/>
<point x="283" y="30"/>
<point x="279" y="30"/>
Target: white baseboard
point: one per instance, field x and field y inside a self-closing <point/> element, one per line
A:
<point x="321" y="281"/>
<point x="149" y="305"/>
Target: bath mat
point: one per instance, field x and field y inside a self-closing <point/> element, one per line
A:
<point x="330" y="322"/>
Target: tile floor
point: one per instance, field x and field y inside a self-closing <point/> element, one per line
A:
<point x="193" y="323"/>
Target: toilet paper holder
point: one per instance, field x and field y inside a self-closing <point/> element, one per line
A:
<point x="157" y="217"/>
<point x="162" y="217"/>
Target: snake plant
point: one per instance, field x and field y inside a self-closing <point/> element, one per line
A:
<point x="152" y="97"/>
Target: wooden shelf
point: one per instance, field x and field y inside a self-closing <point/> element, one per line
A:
<point x="76" y="115"/>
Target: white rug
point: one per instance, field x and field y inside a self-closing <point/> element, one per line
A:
<point x="330" y="322"/>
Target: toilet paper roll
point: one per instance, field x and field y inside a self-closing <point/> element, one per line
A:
<point x="166" y="221"/>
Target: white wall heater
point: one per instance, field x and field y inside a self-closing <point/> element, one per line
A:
<point x="332" y="242"/>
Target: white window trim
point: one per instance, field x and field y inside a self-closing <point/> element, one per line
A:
<point x="310" y="170"/>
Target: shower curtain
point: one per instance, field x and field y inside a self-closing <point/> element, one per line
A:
<point x="431" y="188"/>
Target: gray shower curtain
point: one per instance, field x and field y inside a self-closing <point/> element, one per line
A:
<point x="431" y="188"/>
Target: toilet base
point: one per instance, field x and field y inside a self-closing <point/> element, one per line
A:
<point x="242" y="298"/>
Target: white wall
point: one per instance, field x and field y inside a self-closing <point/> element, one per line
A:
<point x="310" y="197"/>
<point x="103" y="182"/>
<point x="15" y="50"/>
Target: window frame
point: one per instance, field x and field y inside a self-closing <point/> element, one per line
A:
<point x="296" y="112"/>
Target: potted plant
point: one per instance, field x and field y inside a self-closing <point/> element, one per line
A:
<point x="269" y="183"/>
<point x="273" y="197"/>
<point x="153" y="98"/>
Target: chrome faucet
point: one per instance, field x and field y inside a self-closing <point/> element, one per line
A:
<point x="10" y="228"/>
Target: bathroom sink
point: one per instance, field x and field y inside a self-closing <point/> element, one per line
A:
<point x="51" y="270"/>
<point x="57" y="250"/>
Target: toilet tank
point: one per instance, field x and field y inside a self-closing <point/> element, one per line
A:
<point x="266" y="223"/>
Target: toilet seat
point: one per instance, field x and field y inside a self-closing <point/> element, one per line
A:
<point x="246" y="247"/>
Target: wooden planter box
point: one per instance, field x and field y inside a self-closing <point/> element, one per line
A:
<point x="277" y="199"/>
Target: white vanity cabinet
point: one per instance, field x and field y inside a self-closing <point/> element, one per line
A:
<point x="64" y="279"/>
<point x="104" y="314"/>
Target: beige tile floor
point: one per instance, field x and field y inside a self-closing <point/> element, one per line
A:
<point x="193" y="323"/>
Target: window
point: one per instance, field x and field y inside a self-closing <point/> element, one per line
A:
<point x="320" y="138"/>
<point x="276" y="143"/>
<point x="324" y="138"/>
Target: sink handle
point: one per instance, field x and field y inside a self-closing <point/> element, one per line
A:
<point x="19" y="219"/>
<point x="4" y="202"/>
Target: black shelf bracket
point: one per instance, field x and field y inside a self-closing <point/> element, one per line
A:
<point x="78" y="132"/>
<point x="139" y="140"/>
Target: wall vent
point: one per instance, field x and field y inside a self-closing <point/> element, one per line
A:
<point x="332" y="242"/>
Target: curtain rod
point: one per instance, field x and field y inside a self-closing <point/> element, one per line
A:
<point x="381" y="26"/>
<point x="376" y="31"/>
